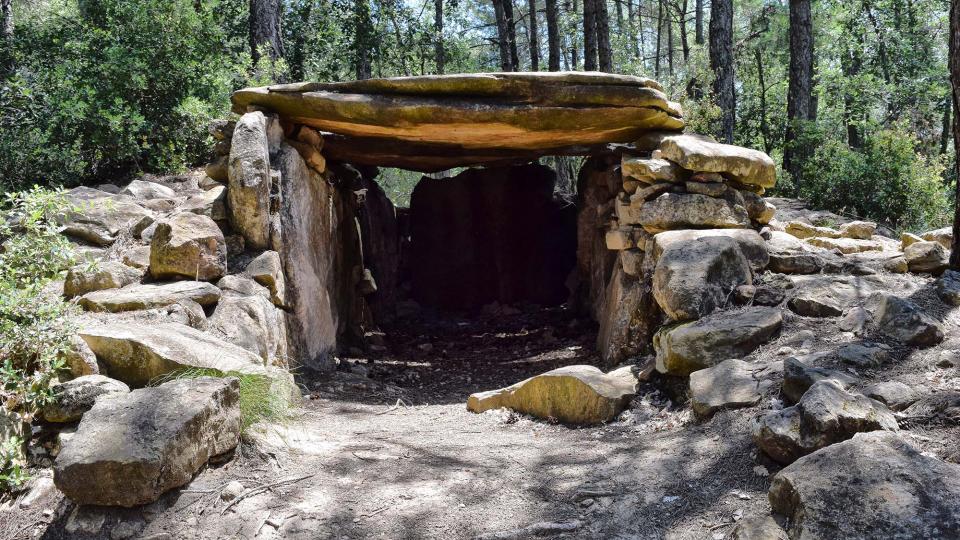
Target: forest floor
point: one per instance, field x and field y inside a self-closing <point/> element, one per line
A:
<point x="386" y="449"/>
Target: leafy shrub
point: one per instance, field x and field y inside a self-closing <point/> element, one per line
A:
<point x="35" y="324"/>
<point x="886" y="181"/>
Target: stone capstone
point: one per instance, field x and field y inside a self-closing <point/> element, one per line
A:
<point x="697" y="153"/>
<point x="693" y="279"/>
<point x="84" y="278"/>
<point x="572" y="394"/>
<point x="248" y="193"/>
<point x="731" y="384"/>
<point x="149" y="296"/>
<point x="188" y="246"/>
<point x="874" y="485"/>
<point x="826" y="414"/>
<point x="75" y="397"/>
<point x="132" y="448"/>
<point x="687" y="347"/>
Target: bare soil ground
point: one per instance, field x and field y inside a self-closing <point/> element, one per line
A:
<point x="388" y="450"/>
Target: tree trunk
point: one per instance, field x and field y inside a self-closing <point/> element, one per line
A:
<point x="553" y="36"/>
<point x="619" y="5"/>
<point x="511" y="34"/>
<point x="6" y="35"/>
<point x="574" y="44"/>
<point x="632" y="31"/>
<point x="761" y="81"/>
<point x="721" y="61"/>
<point x="800" y="89"/>
<point x="604" y="51"/>
<point x="684" y="40"/>
<point x="945" y="129"/>
<point x="590" y="35"/>
<point x="534" y="38"/>
<point x="669" y="24"/>
<point x="955" y="82"/>
<point x="503" y="36"/>
<point x="438" y="36"/>
<point x="850" y="64"/>
<point x="698" y="22"/>
<point x="265" y="29"/>
<point x="656" y="57"/>
<point x="362" y="39"/>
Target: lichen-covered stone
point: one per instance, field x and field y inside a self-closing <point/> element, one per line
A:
<point x="85" y="278"/>
<point x="697" y="153"/>
<point x="188" y="246"/>
<point x="248" y="194"/>
<point x="149" y="296"/>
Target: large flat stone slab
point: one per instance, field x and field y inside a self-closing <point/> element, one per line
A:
<point x="698" y="153"/>
<point x="572" y="394"/>
<point x="132" y="448"/>
<point x="149" y="296"/>
<point x="477" y="117"/>
<point x="874" y="485"/>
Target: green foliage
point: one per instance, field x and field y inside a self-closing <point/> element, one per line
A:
<point x="888" y="180"/>
<point x="35" y="324"/>
<point x="12" y="472"/>
<point x="261" y="399"/>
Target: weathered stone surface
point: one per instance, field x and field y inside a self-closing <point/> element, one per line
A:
<point x="137" y="257"/>
<point x="79" y="359"/>
<point x="832" y="295"/>
<point x="148" y="296"/>
<point x="248" y="196"/>
<point x="75" y="397"/>
<point x="731" y="384"/>
<point x="597" y="183"/>
<point x="267" y="270"/>
<point x="253" y="323"/>
<point x="896" y="265"/>
<point x="650" y="170"/>
<point x="943" y="236"/>
<point x="948" y="287"/>
<point x="863" y="355"/>
<point x="243" y="285"/>
<point x="751" y="244"/>
<point x="103" y="275"/>
<point x="628" y="317"/>
<point x="144" y="190"/>
<point x="904" y="321"/>
<point x="799" y="376"/>
<point x="137" y="354"/>
<point x="685" y="348"/>
<point x="433" y="123"/>
<point x="759" y="528"/>
<point x="697" y="153"/>
<point x="98" y="217"/>
<point x="572" y="394"/>
<point x="926" y="257"/>
<point x="710" y="189"/>
<point x="757" y="207"/>
<point x="845" y="245"/>
<point x="695" y="278"/>
<point x="804" y="230"/>
<point x="908" y="238"/>
<point x="188" y="246"/>
<point x="381" y="237"/>
<point x="131" y="449"/>
<point x="211" y="203"/>
<point x="860" y="230"/>
<point x="939" y="407"/>
<point x="672" y="211"/>
<point x="873" y="486"/>
<point x="826" y="414"/>
<point x="896" y="395"/>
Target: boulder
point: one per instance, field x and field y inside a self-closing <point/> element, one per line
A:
<point x="826" y="414"/>
<point x="137" y="257"/>
<point x="895" y="395"/>
<point x="248" y="196"/>
<point x="926" y="257"/>
<point x="137" y="354"/>
<point x="697" y="153"/>
<point x="140" y="189"/>
<point x="904" y="321"/>
<point x="759" y="528"/>
<point x="731" y="384"/>
<point x="860" y="230"/>
<point x="804" y="230"/>
<point x="799" y="376"/>
<point x="795" y="263"/>
<point x="908" y="238"/>
<point x="243" y="285"/>
<point x="650" y="170"/>
<point x="937" y="408"/>
<point x="253" y="323"/>
<point x="845" y="245"/>
<point x="751" y="244"/>
<point x="874" y="485"/>
<point x="79" y="359"/>
<point x="948" y="287"/>
<point x="757" y="207"/>
<point x="572" y="394"/>
<point x="943" y="236"/>
<point x="130" y="449"/>
<point x="687" y="347"/>
<point x="896" y="265"/>
<point x="267" y="270"/>
<point x="864" y="355"/>
<point x="73" y="398"/>
<point x="188" y="246"/>
<point x="672" y="211"/>
<point x="695" y="278"/>
<point x="628" y="317"/>
<point x="147" y="296"/>
<point x="98" y="217"/>
<point x="86" y="278"/>
<point x="830" y="295"/>
<point x="210" y="203"/>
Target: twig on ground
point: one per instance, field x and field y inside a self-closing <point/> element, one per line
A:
<point x="395" y="407"/>
<point x="256" y="490"/>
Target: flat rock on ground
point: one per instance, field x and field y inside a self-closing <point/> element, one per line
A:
<point x="131" y="449"/>
<point x="875" y="485"/>
<point x="731" y="384"/>
<point x="799" y="375"/>
<point x="149" y="296"/>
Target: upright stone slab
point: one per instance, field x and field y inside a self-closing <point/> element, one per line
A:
<point x="248" y="196"/>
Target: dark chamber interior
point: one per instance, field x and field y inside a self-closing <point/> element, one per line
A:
<point x="489" y="235"/>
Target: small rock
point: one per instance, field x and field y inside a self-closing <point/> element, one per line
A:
<point x="267" y="270"/>
<point x="75" y="397"/>
<point x="102" y="275"/>
<point x="150" y="296"/>
<point x="860" y="230"/>
<point x="759" y="528"/>
<point x="854" y="320"/>
<point x="904" y="321"/>
<point x="896" y="395"/>
<point x="731" y="384"/>
<point x="948" y="359"/>
<point x="943" y="236"/>
<point x="144" y="190"/>
<point x="863" y="355"/>
<point x="948" y="287"/>
<point x="906" y="239"/>
<point x="805" y="230"/>
<point x="926" y="257"/>
<point x="845" y="245"/>
<point x="232" y="490"/>
<point x="126" y="529"/>
<point x="798" y="376"/>
<point x="188" y="246"/>
<point x="85" y="520"/>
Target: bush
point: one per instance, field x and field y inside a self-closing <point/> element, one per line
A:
<point x="35" y="324"/>
<point x="887" y="181"/>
